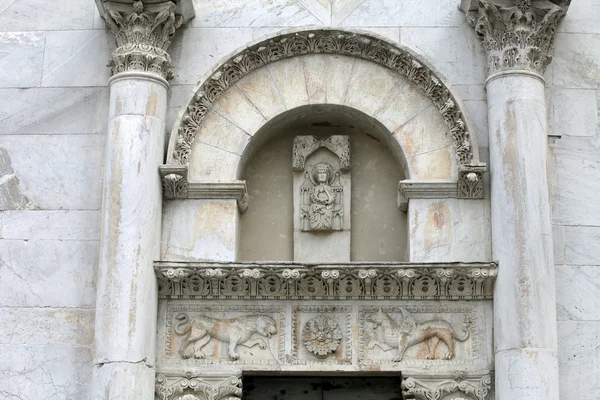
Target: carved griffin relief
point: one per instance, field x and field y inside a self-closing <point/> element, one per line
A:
<point x="410" y="332"/>
<point x="198" y="332"/>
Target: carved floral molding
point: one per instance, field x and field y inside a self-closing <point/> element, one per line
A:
<point x="143" y="33"/>
<point x="191" y="386"/>
<point x="435" y="388"/>
<point x="516" y="35"/>
<point x="329" y="42"/>
<point x="210" y="280"/>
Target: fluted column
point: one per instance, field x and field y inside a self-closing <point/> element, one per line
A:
<point x="518" y="38"/>
<point x="126" y="302"/>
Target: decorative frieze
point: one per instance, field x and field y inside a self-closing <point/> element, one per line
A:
<point x="210" y="280"/>
<point x="143" y="33"/>
<point x="191" y="386"/>
<point x="327" y="41"/>
<point x="466" y="387"/>
<point x="518" y="34"/>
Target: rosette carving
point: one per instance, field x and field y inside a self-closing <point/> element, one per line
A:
<point x="322" y="336"/>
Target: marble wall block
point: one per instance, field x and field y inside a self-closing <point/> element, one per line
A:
<point x="577" y="61"/>
<point x="573" y="112"/>
<point x="41" y="273"/>
<point x="80" y="51"/>
<point x="42" y="15"/>
<point x="50" y="225"/>
<point x="578" y="359"/>
<point x="582" y="17"/>
<point x="53" y="110"/>
<point x="578" y="293"/>
<point x="22" y="59"/>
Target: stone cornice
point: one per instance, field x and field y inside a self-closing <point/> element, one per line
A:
<point x="143" y="31"/>
<point x="516" y="34"/>
<point x="292" y="280"/>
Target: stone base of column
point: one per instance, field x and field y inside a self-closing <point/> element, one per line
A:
<point x="123" y="381"/>
<point x="526" y="374"/>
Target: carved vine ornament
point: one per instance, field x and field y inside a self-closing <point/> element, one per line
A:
<point x="327" y="42"/>
<point x="517" y="35"/>
<point x="335" y="281"/>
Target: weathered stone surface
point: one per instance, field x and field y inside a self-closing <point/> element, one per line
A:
<point x="66" y="180"/>
<point x="47" y="326"/>
<point x="49" y="225"/>
<point x="47" y="371"/>
<point x="290" y="81"/>
<point x="578" y="359"/>
<point x="53" y="110"/>
<point x="22" y="61"/>
<point x="578" y="293"/>
<point x="577" y="61"/>
<point x="111" y="381"/>
<point x="35" y="15"/>
<point x="39" y="273"/>
<point x="70" y="51"/>
<point x="370" y="87"/>
<point x="574" y="112"/>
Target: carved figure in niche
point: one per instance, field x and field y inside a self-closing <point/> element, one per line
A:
<point x="321" y="194"/>
<point x="410" y="332"/>
<point x="235" y="331"/>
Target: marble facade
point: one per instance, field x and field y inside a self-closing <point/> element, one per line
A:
<point x="71" y="141"/>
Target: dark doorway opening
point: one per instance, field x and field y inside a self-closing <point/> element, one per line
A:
<point x="322" y="388"/>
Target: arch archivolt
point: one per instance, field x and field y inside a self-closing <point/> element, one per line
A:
<point x="217" y="130"/>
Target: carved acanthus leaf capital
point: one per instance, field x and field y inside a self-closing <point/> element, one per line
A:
<point x="516" y="34"/>
<point x="143" y="33"/>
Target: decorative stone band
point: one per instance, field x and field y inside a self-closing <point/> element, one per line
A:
<point x="176" y="186"/>
<point x="516" y="35"/>
<point x="191" y="386"/>
<point x="469" y="186"/>
<point x="291" y="280"/>
<point x="143" y="33"/>
<point x="328" y="41"/>
<point x="471" y="387"/>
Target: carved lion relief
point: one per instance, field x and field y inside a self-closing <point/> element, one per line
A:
<point x="395" y="335"/>
<point x="224" y="334"/>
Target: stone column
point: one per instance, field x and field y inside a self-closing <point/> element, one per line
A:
<point x="518" y="37"/>
<point x="126" y="302"/>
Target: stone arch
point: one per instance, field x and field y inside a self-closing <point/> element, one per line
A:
<point x="393" y="61"/>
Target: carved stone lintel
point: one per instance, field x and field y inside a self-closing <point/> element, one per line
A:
<point x="516" y="35"/>
<point x="198" y="280"/>
<point x="143" y="33"/>
<point x="190" y="386"/>
<point x="470" y="181"/>
<point x="428" y="388"/>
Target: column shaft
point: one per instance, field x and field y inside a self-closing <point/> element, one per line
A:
<point x="125" y="340"/>
<point x="524" y="300"/>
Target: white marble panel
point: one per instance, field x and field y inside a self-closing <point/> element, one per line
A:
<point x="339" y="73"/>
<point x="575" y="199"/>
<point x="470" y="92"/>
<point x="449" y="230"/>
<point x="425" y="132"/>
<point x="578" y="292"/>
<point x="235" y="107"/>
<point x="49" y="225"/>
<point x="396" y="13"/>
<point x="216" y="131"/>
<point x="46" y="326"/>
<point x="261" y="91"/>
<point x="210" y="164"/>
<point x="73" y="58"/>
<point x="574" y="112"/>
<point x="371" y="87"/>
<point x="320" y="9"/>
<point x="36" y="15"/>
<point x="51" y="171"/>
<point x="53" y="110"/>
<point x="576" y="61"/>
<point x="42" y="273"/>
<point x="195" y="52"/>
<point x="454" y="52"/>
<point x="45" y="372"/>
<point x="242" y="13"/>
<point x="579" y="360"/>
<point x="200" y="230"/>
<point x="288" y="76"/>
<point x="22" y="59"/>
<point x="315" y="67"/>
<point x="406" y="102"/>
<point x="582" y="17"/>
<point x="477" y="112"/>
<point x="178" y="97"/>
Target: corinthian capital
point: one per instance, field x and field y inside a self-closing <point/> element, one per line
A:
<point x="144" y="30"/>
<point x="516" y="34"/>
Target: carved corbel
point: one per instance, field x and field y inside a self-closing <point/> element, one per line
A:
<point x="191" y="386"/>
<point x="143" y="32"/>
<point x="517" y="34"/>
<point x="470" y="181"/>
<point x="437" y="387"/>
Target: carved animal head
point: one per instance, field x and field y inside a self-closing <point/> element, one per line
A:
<point x="377" y="318"/>
<point x="266" y="326"/>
